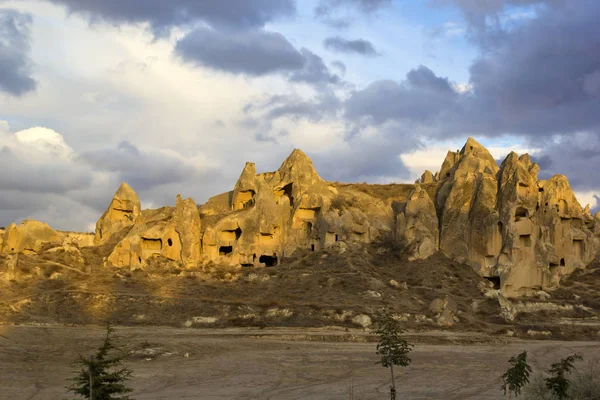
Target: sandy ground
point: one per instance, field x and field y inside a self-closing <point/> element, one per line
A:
<point x="35" y="363"/>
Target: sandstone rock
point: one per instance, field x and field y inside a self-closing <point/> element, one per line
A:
<point x="446" y="318"/>
<point x="123" y="211"/>
<point x="418" y="225"/>
<point x="427" y="177"/>
<point x="362" y="320"/>
<point x="438" y="305"/>
<point x="521" y="233"/>
<point x="29" y="237"/>
<point x="507" y="310"/>
<point x="373" y="294"/>
<point x="187" y="225"/>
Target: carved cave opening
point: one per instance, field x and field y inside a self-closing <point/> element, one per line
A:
<point x="287" y="191"/>
<point x="525" y="240"/>
<point x="562" y="262"/>
<point x="336" y="237"/>
<point x="312" y="247"/>
<point x="245" y="199"/>
<point x="495" y="281"/>
<point x="170" y="242"/>
<point x="225" y="250"/>
<point x="269" y="261"/>
<point x="152" y="244"/>
<point x="521" y="212"/>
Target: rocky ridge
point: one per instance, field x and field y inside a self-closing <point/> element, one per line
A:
<point x="521" y="233"/>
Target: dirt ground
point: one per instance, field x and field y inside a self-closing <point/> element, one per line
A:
<point x="280" y="363"/>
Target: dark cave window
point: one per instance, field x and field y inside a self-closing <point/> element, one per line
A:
<point x="269" y="261"/>
<point x="225" y="250"/>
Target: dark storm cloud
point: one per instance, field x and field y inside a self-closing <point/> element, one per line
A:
<point x="422" y="97"/>
<point x="142" y="170"/>
<point x="163" y="15"/>
<point x="327" y="6"/>
<point x="489" y="7"/>
<point x="335" y="12"/>
<point x="324" y="104"/>
<point x="375" y="159"/>
<point x="25" y="174"/>
<point x="577" y="156"/>
<point x="543" y="78"/>
<point x="15" y="65"/>
<point x="314" y="70"/>
<point x="358" y="46"/>
<point x="255" y="52"/>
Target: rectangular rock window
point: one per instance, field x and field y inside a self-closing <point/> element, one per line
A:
<point x="225" y="250"/>
<point x="578" y="249"/>
<point x="525" y="240"/>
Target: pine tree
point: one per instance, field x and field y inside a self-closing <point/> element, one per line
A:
<point x="391" y="347"/>
<point x="558" y="382"/>
<point x="106" y="372"/>
<point x="517" y="376"/>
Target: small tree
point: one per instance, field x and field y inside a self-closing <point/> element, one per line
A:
<point x="557" y="382"/>
<point x="106" y="374"/>
<point x="391" y="347"/>
<point x="517" y="376"/>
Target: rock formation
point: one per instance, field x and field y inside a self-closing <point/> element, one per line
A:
<point x="519" y="232"/>
<point x="28" y="237"/>
<point x="121" y="213"/>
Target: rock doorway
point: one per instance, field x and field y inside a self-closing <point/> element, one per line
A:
<point x="525" y="241"/>
<point x="269" y="261"/>
<point x="495" y="280"/>
<point x="521" y="212"/>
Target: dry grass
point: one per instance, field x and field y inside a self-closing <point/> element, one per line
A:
<point x="317" y="288"/>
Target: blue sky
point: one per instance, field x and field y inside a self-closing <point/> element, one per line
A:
<point x="176" y="99"/>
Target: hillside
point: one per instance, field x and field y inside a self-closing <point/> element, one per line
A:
<point x="472" y="247"/>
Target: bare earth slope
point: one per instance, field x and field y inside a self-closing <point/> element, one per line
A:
<point x="337" y="287"/>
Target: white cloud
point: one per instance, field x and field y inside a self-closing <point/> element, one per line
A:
<point x="46" y="179"/>
<point x="432" y="156"/>
<point x="588" y="197"/>
<point x="45" y="141"/>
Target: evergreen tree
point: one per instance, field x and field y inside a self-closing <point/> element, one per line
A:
<point x="557" y="382"/>
<point x="517" y="376"/>
<point x="391" y="347"/>
<point x="105" y="371"/>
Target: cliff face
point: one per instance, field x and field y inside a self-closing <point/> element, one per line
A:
<point x="519" y="232"/>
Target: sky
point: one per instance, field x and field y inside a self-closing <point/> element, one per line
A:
<point x="174" y="97"/>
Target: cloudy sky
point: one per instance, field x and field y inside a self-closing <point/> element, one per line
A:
<point x="175" y="96"/>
